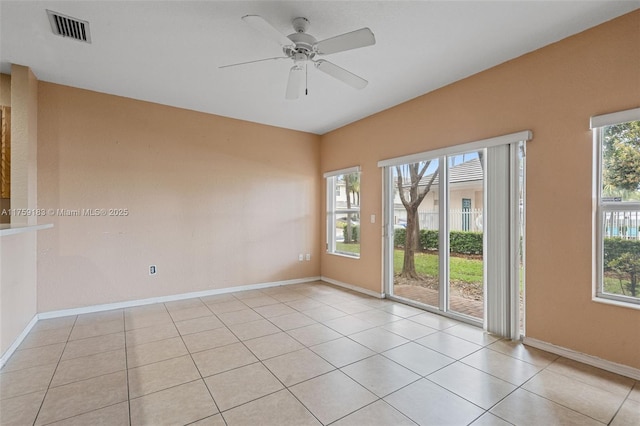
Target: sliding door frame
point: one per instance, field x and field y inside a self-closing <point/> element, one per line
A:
<point x="510" y="314"/>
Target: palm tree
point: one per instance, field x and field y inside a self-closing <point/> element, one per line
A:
<point x="352" y="189"/>
<point x="354" y="186"/>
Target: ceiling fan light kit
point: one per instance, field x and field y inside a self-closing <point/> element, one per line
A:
<point x="303" y="48"/>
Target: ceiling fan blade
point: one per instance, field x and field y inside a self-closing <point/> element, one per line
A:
<point x="295" y="80"/>
<point x="262" y="25"/>
<point x="353" y="40"/>
<point x="253" y="62"/>
<point x="341" y="74"/>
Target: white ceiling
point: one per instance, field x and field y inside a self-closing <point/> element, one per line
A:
<point x="169" y="52"/>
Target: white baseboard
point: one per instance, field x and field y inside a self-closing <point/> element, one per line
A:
<point x="171" y="298"/>
<point x="5" y="356"/>
<point x="623" y="370"/>
<point x="131" y="303"/>
<point x="353" y="287"/>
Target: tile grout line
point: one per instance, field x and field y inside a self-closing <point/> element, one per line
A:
<point x="380" y="399"/>
<point x="336" y="368"/>
<point x="215" y="404"/>
<point x="126" y="364"/>
<point x="419" y="375"/>
<point x="563" y="405"/>
<point x="319" y="298"/>
<point x="577" y="379"/>
<point x="306" y="347"/>
<point x="501" y="399"/>
<point x="85" y="379"/>
<point x="285" y="387"/>
<point x="259" y="361"/>
<point x="54" y="372"/>
<point x="531" y="378"/>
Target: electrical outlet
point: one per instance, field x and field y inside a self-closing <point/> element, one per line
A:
<point x="308" y="256"/>
<point x="153" y="270"/>
<point x="301" y="257"/>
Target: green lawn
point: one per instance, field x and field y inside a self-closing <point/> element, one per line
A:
<point x="348" y="248"/>
<point x="612" y="286"/>
<point x="461" y="269"/>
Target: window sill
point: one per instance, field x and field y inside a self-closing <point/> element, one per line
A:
<point x="348" y="256"/>
<point x="617" y="303"/>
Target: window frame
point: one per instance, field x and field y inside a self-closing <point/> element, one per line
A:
<point x="601" y="207"/>
<point x="333" y="211"/>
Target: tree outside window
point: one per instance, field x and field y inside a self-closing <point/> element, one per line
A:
<point x="619" y="211"/>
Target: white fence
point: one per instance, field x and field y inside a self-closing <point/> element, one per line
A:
<point x="622" y="224"/>
<point x="619" y="224"/>
<point x="459" y="219"/>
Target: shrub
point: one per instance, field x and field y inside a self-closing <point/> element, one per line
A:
<point x="459" y="241"/>
<point x="627" y="266"/>
<point x="399" y="237"/>
<point x="355" y="233"/>
<point x="614" y="248"/>
<point x="465" y="242"/>
<point x="428" y="239"/>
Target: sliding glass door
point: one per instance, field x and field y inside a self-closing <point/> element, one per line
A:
<point x="426" y="212"/>
<point x="416" y="232"/>
<point x="465" y="195"/>
<point x="453" y="231"/>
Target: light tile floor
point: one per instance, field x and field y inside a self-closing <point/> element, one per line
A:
<point x="296" y="355"/>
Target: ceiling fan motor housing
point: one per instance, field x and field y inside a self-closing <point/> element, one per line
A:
<point x="303" y="43"/>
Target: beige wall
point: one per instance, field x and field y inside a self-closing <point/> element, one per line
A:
<point x="213" y="202"/>
<point x="18" y="296"/>
<point x="208" y="196"/>
<point x="18" y="253"/>
<point x="553" y="92"/>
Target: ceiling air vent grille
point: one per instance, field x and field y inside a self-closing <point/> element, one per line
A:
<point x="66" y="26"/>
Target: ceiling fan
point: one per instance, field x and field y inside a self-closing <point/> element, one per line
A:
<point x="303" y="49"/>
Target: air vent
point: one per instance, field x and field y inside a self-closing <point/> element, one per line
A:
<point x="66" y="26"/>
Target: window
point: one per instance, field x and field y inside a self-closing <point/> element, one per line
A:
<point x="343" y="212"/>
<point x="617" y="156"/>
